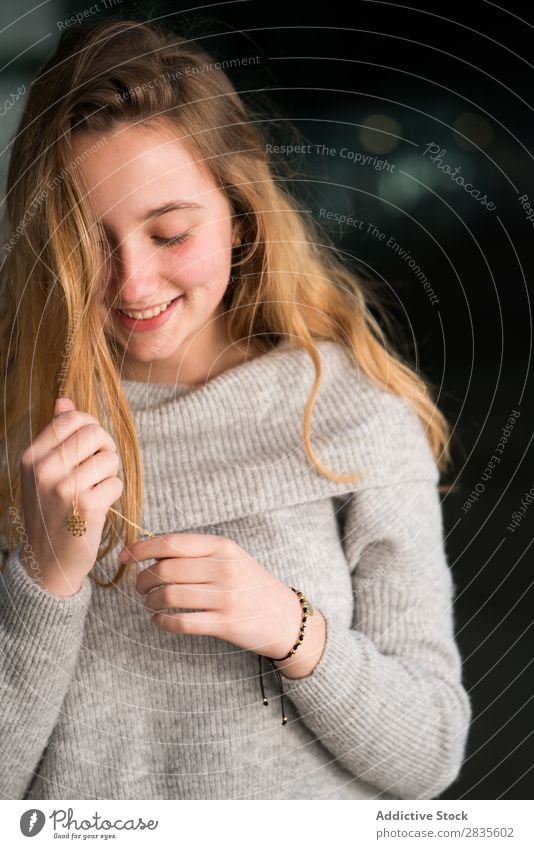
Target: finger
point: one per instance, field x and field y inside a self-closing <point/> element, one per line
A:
<point x="96" y="469"/>
<point x="85" y="444"/>
<point x="197" y="597"/>
<point x="63" y="405"/>
<point x="171" y="545"/>
<point x="182" y="571"/>
<point x="67" y="419"/>
<point x="48" y="439"/>
<point x="61" y="428"/>
<point x="206" y="624"/>
<point x="61" y="466"/>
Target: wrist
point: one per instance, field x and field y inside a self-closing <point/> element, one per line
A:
<point x="309" y="652"/>
<point x="303" y="610"/>
<point x="50" y="583"/>
<point x="61" y="590"/>
<point x="308" y="647"/>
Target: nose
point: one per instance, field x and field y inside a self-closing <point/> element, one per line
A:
<point x="135" y="273"/>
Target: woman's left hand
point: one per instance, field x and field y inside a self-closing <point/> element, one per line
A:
<point x="234" y="597"/>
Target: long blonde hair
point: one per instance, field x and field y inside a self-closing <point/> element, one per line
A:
<point x="291" y="283"/>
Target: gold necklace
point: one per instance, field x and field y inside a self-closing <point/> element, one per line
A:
<point x="75" y="523"/>
<point x="143" y="531"/>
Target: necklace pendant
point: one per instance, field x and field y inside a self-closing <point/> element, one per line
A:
<point x="76" y="524"/>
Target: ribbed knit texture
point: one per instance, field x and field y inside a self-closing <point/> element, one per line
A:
<point x="97" y="702"/>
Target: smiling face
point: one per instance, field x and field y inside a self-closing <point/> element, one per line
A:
<point x="170" y="228"/>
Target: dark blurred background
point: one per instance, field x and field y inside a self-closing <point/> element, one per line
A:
<point x="395" y="104"/>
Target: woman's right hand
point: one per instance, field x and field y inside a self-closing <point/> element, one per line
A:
<point x="58" y="561"/>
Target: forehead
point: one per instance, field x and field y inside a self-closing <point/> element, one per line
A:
<point x="136" y="165"/>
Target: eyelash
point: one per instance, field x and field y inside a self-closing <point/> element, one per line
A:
<point x="169" y="243"/>
<point x="175" y="240"/>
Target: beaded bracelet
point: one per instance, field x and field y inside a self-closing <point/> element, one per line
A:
<point x="307" y="610"/>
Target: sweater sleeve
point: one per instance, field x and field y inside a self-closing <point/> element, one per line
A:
<point x="40" y="636"/>
<point x="386" y="697"/>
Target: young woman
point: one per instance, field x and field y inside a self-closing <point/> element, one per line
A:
<point x="189" y="376"/>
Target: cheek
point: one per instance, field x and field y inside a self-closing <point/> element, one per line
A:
<point x="204" y="273"/>
<point x="206" y="296"/>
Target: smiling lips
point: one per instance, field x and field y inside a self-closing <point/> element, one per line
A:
<point x="149" y="319"/>
<point x="148" y="313"/>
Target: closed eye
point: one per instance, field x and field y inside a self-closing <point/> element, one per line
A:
<point x="160" y="240"/>
<point x="174" y="240"/>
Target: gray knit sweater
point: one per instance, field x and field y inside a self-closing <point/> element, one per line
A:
<point x="97" y="702"/>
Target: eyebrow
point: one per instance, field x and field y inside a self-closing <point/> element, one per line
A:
<point x="168" y="207"/>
